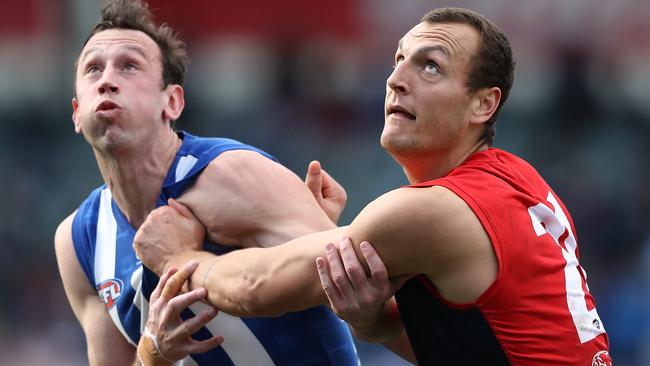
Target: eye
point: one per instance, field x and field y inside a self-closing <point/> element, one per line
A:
<point x="130" y="66"/>
<point x="92" y="68"/>
<point x="432" y="68"/>
<point x="398" y="59"/>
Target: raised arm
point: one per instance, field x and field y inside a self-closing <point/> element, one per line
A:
<point x="246" y="199"/>
<point x="105" y="344"/>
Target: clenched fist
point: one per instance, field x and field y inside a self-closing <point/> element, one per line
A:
<point x="168" y="232"/>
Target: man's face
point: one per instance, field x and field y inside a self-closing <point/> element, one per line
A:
<point x="120" y="94"/>
<point x="427" y="103"/>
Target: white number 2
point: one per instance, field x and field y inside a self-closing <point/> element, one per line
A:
<point x="555" y="223"/>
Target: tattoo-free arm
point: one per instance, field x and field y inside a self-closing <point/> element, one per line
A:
<point x="246" y="199"/>
<point x="271" y="281"/>
<point x="106" y="345"/>
<point x="413" y="231"/>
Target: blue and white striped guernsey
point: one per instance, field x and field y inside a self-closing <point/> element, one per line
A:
<point x="103" y="241"/>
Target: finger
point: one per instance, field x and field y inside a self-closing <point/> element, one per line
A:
<point x="181" y="302"/>
<point x="351" y="263"/>
<point x="205" y="345"/>
<point x="378" y="271"/>
<point x="192" y="325"/>
<point x="328" y="181"/>
<point x="332" y="188"/>
<point x="337" y="271"/>
<point x="326" y="282"/>
<point x="176" y="281"/>
<point x="181" y="208"/>
<point x="161" y="284"/>
<point x="313" y="180"/>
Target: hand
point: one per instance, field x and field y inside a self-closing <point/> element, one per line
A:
<point x="359" y="300"/>
<point x="167" y="232"/>
<point x="329" y="194"/>
<point x="167" y="338"/>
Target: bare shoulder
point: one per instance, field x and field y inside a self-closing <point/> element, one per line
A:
<point x="231" y="164"/>
<point x="238" y="170"/>
<point x="421" y="230"/>
<point x="244" y="197"/>
<point x="63" y="238"/>
<point x="425" y="209"/>
<point x="75" y="283"/>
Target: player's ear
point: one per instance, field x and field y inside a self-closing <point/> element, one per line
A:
<point x="485" y="103"/>
<point x="175" y="102"/>
<point x="75" y="115"/>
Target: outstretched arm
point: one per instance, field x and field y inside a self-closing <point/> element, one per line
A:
<point x="415" y="231"/>
<point x="272" y="281"/>
<point x="170" y="238"/>
<point x="428" y="231"/>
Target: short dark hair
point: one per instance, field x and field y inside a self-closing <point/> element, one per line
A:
<point x="135" y="15"/>
<point x="493" y="64"/>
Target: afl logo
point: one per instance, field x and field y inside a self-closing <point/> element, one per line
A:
<point x="601" y="359"/>
<point x="109" y="291"/>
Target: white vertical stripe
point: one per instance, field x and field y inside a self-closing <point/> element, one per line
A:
<point x="116" y="319"/>
<point x="185" y="164"/>
<point x="105" y="251"/>
<point x="136" y="283"/>
<point x="105" y="241"/>
<point x="241" y="345"/>
<point x="139" y="300"/>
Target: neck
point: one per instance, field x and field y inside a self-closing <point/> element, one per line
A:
<point x="135" y="176"/>
<point x="429" y="166"/>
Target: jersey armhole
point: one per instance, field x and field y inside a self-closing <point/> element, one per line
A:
<point x="175" y="188"/>
<point x="492" y="233"/>
<point x="81" y="243"/>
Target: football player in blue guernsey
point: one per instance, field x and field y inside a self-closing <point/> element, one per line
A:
<point x="128" y="94"/>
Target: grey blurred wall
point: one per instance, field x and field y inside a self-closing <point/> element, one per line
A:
<point x="307" y="82"/>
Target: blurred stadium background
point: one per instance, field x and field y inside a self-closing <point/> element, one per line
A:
<point x="305" y="80"/>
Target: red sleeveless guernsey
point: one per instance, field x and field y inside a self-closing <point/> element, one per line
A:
<point x="539" y="310"/>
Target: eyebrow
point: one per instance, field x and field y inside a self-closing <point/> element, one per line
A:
<point x="135" y="49"/>
<point x="424" y="50"/>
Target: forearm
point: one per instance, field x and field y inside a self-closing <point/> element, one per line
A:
<point x="262" y="282"/>
<point x="229" y="288"/>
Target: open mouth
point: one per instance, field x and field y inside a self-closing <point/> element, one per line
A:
<point x="400" y="111"/>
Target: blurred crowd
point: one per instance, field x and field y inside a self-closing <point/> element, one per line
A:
<point x="305" y="80"/>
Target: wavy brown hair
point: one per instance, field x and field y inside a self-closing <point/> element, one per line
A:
<point x="135" y="15"/>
